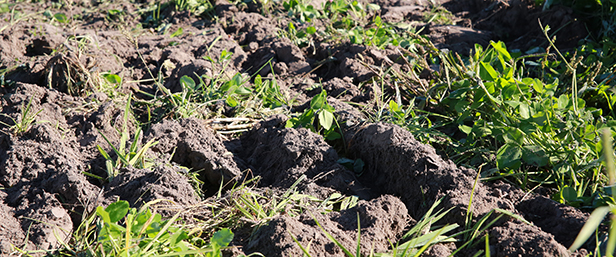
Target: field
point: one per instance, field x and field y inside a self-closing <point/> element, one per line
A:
<point x="307" y="128"/>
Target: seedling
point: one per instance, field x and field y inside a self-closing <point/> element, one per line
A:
<point x="133" y="156"/>
<point x="124" y="231"/>
<point x="319" y="118"/>
<point x="23" y="124"/>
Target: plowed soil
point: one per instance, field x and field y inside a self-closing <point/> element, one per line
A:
<point x="45" y="191"/>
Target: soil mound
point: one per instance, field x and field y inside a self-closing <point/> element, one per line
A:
<point x="282" y="155"/>
<point x="380" y="220"/>
<point x="396" y="163"/>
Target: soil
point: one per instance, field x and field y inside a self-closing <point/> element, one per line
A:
<point x="55" y="68"/>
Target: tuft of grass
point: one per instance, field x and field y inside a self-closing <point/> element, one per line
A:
<point x="119" y="230"/>
<point x="22" y="125"/>
<point x="132" y="156"/>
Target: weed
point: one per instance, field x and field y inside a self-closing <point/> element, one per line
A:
<point x="422" y="235"/>
<point x="439" y="15"/>
<point x="27" y="118"/>
<point x="115" y="15"/>
<point x="301" y="11"/>
<point x="119" y="230"/>
<point x="158" y="15"/>
<point x="133" y="156"/>
<point x="319" y="111"/>
<point x="524" y="121"/>
<point x="215" y="96"/>
<point x="600" y="213"/>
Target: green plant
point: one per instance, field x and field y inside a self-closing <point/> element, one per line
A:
<point x="22" y="125"/>
<point x="302" y="38"/>
<point x="115" y="15"/>
<point x="600" y="213"/>
<point x="319" y="118"/>
<point x="133" y="156"/>
<point x="124" y="231"/>
<point x="421" y="236"/>
<point x="301" y="11"/>
<point x="413" y="119"/>
<point x="213" y="96"/>
<point x="536" y="135"/>
<point x="153" y="16"/>
<point x="197" y="7"/>
<point x="15" y="15"/>
<point x="439" y="15"/>
<point x="61" y="18"/>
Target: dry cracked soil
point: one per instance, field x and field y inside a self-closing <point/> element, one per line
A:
<point x="45" y="191"/>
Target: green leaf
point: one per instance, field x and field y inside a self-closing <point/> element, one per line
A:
<point x="524" y="110"/>
<point x="393" y="106"/>
<point x="222" y="237"/>
<point x="258" y="81"/>
<point x="117" y="210"/>
<point x="349" y="202"/>
<point x="292" y="27"/>
<point x="112" y="78"/>
<point x="509" y="90"/>
<point x="291" y="123"/>
<point x="358" y="166"/>
<point x="514" y="135"/>
<point x="187" y="83"/>
<point x="178" y="32"/>
<point x="177" y="238"/>
<point x="103" y="214"/>
<point x="318" y="101"/>
<point x="231" y="101"/>
<point x="569" y="194"/>
<point x="376" y="7"/>
<point x="243" y="91"/>
<point x="535" y="156"/>
<point x="501" y="49"/>
<point x="465" y="129"/>
<point x="487" y="72"/>
<point x="537" y="85"/>
<point x="508" y="157"/>
<point x="332" y="136"/>
<point x="60" y="17"/>
<point x="563" y="102"/>
<point x="346" y="162"/>
<point x="540" y="118"/>
<point x="114" y="12"/>
<point x="326" y="119"/>
<point x="311" y="30"/>
<point x="103" y="152"/>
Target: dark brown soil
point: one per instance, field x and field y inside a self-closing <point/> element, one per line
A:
<point x="45" y="191"/>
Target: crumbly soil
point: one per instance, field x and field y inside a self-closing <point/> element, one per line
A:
<point x="45" y="189"/>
